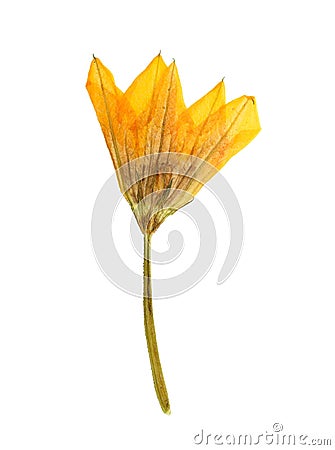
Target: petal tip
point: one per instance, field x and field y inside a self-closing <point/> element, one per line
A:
<point x="251" y="98"/>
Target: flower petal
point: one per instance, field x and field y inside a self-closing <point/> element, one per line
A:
<point x="226" y="132"/>
<point x="193" y="121"/>
<point x="105" y="97"/>
<point x="168" y="105"/>
<point x="136" y="104"/>
<point x="241" y="127"/>
<point x="141" y="92"/>
<point x="208" y="104"/>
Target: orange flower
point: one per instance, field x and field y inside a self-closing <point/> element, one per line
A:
<point x="164" y="152"/>
<point x="149" y="126"/>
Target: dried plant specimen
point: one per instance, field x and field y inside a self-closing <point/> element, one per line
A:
<point x="164" y="152"/>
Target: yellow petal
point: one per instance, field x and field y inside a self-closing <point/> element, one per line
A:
<point x="225" y="133"/>
<point x="136" y="105"/>
<point x="194" y="119"/>
<point x="241" y="126"/>
<point x="208" y="104"/>
<point x="140" y="93"/>
<point x="99" y="74"/>
<point x="105" y="97"/>
<point x="228" y="130"/>
<point x="168" y="105"/>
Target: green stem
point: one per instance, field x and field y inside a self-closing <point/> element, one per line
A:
<point x="149" y="325"/>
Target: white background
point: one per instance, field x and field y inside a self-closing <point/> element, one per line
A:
<point x="238" y="357"/>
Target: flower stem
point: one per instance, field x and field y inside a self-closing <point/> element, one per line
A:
<point x="149" y="325"/>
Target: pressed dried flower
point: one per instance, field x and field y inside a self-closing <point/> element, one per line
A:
<point x="164" y="152"/>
